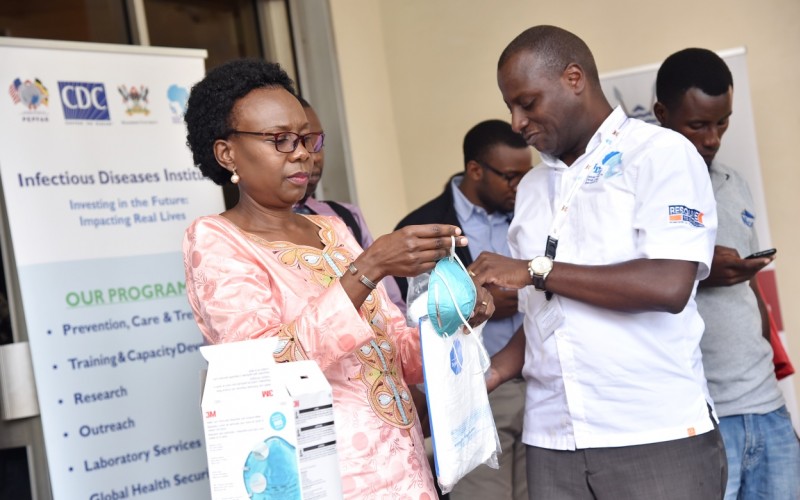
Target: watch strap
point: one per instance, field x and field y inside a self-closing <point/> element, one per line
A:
<point x="538" y="282"/>
<point x="537" y="279"/>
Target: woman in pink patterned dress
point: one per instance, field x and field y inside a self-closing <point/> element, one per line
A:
<point x="259" y="269"/>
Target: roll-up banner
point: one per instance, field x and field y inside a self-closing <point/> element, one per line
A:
<point x="635" y="90"/>
<point x="99" y="186"/>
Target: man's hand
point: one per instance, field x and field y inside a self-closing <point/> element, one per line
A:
<point x="507" y="363"/>
<point x="505" y="301"/>
<point x="729" y="268"/>
<point x="499" y="270"/>
<point x="484" y="306"/>
<point x="493" y="379"/>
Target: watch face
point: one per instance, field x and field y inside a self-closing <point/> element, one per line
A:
<point x="541" y="265"/>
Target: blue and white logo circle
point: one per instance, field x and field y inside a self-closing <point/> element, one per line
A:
<point x="277" y="420"/>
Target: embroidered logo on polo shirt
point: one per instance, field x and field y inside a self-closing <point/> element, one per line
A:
<point x="685" y="215"/>
<point x="613" y="161"/>
<point x="597" y="171"/>
<point x="610" y="165"/>
<point x="748" y="218"/>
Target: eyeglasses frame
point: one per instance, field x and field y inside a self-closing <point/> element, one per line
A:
<point x="509" y="178"/>
<point x="295" y="143"/>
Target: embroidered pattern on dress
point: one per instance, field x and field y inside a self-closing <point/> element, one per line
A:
<point x="288" y="348"/>
<point x="386" y="392"/>
<point x="387" y="395"/>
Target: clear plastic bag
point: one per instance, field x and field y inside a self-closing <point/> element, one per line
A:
<point x="463" y="432"/>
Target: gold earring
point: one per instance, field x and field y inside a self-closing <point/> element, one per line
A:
<point x="235" y="177"/>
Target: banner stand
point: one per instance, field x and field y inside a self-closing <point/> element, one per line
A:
<point x="98" y="188"/>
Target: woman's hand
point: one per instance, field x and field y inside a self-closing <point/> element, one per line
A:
<point x="409" y="251"/>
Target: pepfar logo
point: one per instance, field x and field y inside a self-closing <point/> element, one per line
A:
<point x="84" y="101"/>
<point x="30" y="93"/>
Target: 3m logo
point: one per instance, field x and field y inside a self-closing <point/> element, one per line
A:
<point x="266" y="394"/>
<point x="684" y="214"/>
<point x="211" y="414"/>
<point x="83" y="101"/>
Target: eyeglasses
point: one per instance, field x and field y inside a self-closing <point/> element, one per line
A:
<point x="511" y="179"/>
<point x="286" y="142"/>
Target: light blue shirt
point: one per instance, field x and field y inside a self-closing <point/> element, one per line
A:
<point x="486" y="233"/>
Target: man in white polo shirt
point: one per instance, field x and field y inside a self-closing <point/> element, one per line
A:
<point x="611" y="233"/>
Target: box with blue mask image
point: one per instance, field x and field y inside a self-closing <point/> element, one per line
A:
<point x="270" y="471"/>
<point x="268" y="426"/>
<point x="454" y="361"/>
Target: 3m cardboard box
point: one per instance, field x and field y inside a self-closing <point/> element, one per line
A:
<point x="268" y="426"/>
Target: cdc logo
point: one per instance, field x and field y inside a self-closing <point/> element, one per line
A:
<point x="83" y="101"/>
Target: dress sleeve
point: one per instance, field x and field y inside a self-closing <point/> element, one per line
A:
<point x="407" y="341"/>
<point x="234" y="296"/>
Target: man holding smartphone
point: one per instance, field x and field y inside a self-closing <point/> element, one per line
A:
<point x="694" y="88"/>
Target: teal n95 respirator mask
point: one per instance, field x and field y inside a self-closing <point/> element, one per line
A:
<point x="451" y="295"/>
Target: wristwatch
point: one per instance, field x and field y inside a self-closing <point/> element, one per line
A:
<point x="539" y="268"/>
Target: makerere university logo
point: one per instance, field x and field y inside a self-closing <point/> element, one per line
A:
<point x="84" y="101"/>
<point x="135" y="99"/>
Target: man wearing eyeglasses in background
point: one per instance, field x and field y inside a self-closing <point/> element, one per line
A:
<point x="480" y="200"/>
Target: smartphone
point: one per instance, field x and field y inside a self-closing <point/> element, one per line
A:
<point x="762" y="253"/>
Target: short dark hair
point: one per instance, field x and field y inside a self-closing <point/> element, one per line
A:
<point x="211" y="102"/>
<point x="689" y="68"/>
<point x="487" y="134"/>
<point x="555" y="47"/>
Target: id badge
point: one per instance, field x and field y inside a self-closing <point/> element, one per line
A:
<point x="549" y="317"/>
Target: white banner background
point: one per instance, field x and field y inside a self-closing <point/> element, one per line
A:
<point x="97" y="205"/>
<point x="634" y="89"/>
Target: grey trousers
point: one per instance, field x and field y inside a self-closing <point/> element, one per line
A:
<point x="693" y="468"/>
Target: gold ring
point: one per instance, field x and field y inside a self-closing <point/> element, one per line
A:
<point x="471" y="273"/>
<point x="484" y="303"/>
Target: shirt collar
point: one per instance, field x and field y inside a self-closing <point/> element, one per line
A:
<point x="465" y="209"/>
<point x="309" y="202"/>
<point x="613" y="122"/>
